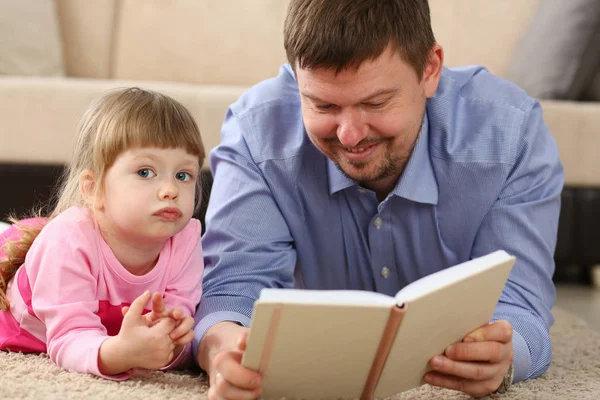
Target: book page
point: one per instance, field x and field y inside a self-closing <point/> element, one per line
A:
<point x="449" y="276"/>
<point x="435" y="319"/>
<point x="339" y="297"/>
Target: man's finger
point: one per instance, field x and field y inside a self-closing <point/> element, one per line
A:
<point x="483" y="351"/>
<point x="229" y="366"/>
<point x="468" y="370"/>
<point x="242" y="341"/>
<point x="499" y="331"/>
<point x="222" y="389"/>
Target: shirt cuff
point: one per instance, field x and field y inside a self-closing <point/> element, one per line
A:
<point x="522" y="358"/>
<point x="183" y="360"/>
<point x="211" y="319"/>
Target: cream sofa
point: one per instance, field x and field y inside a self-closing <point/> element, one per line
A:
<point x="206" y="53"/>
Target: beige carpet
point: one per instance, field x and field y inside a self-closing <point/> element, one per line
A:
<point x="574" y="374"/>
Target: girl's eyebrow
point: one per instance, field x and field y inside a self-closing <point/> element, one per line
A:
<point x="152" y="157"/>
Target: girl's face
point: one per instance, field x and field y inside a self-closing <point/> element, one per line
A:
<point x="149" y="194"/>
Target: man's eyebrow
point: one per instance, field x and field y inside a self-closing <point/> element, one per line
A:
<point x="382" y="92"/>
<point x="378" y="93"/>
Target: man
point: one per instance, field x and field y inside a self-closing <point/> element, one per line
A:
<point x="367" y="165"/>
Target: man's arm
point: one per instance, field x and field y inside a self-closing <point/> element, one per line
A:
<point x="524" y="222"/>
<point x="247" y="244"/>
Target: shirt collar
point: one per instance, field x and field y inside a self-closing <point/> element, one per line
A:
<point x="417" y="183"/>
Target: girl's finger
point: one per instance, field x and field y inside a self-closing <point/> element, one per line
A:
<point x="185" y="339"/>
<point x="185" y="326"/>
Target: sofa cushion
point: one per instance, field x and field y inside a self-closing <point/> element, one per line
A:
<point x="574" y="126"/>
<point x="225" y="42"/>
<point x="558" y="54"/>
<point x="29" y="38"/>
<point x="43" y="113"/>
<point x="87" y="30"/>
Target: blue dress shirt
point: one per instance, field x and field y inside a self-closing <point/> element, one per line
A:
<point x="485" y="175"/>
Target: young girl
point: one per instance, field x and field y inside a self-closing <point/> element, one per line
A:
<point x="75" y="285"/>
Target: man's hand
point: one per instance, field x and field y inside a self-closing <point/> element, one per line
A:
<point x="220" y="355"/>
<point x="478" y="365"/>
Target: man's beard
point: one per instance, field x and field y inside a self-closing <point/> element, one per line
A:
<point x="390" y="165"/>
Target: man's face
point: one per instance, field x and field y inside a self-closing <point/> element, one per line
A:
<point x="367" y="120"/>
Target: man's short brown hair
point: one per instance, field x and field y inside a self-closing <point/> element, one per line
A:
<point x="343" y="34"/>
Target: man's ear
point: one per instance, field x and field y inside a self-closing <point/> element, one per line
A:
<point x="433" y="70"/>
<point x="88" y="188"/>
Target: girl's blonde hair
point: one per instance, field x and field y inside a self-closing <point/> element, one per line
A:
<point x="121" y="120"/>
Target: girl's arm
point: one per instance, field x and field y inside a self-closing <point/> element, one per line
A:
<point x="63" y="270"/>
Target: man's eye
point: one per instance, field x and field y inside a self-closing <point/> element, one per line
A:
<point x="183" y="176"/>
<point x="375" y="105"/>
<point x="325" y="106"/>
<point x="146" y="173"/>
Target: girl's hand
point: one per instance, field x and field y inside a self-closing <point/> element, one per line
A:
<point x="182" y="334"/>
<point x="158" y="311"/>
<point x="137" y="344"/>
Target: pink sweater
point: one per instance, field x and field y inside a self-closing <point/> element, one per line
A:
<point x="66" y="298"/>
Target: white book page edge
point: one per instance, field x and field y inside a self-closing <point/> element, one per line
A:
<point x="445" y="277"/>
<point x="333" y="297"/>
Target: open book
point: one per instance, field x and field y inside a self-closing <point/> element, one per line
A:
<point x="356" y="344"/>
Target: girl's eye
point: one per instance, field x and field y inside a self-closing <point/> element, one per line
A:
<point x="183" y="176"/>
<point x="146" y="173"/>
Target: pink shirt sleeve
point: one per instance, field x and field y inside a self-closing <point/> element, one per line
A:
<point x="60" y="266"/>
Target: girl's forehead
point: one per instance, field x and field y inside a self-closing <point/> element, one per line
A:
<point x="177" y="154"/>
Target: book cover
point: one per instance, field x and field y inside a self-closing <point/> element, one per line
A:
<point x="315" y="344"/>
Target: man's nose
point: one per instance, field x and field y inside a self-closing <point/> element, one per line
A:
<point x="351" y="127"/>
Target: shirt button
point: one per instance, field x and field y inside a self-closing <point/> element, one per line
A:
<point x="385" y="272"/>
<point x="378" y="222"/>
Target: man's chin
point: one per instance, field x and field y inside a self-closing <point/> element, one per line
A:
<point x="358" y="173"/>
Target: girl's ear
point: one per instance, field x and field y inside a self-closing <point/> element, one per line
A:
<point x="87" y="188"/>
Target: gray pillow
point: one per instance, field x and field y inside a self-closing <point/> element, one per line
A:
<point x="559" y="53"/>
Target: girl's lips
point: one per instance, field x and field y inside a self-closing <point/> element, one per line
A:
<point x="168" y="213"/>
